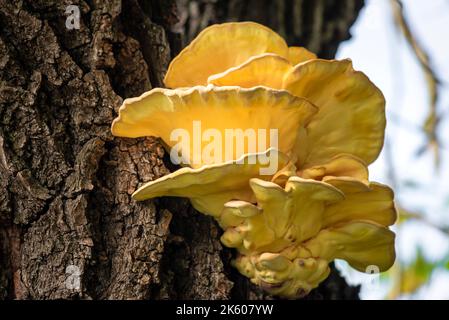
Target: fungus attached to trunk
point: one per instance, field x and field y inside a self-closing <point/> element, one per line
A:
<point x="318" y="204"/>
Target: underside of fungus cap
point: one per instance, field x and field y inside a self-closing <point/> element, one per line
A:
<point x="181" y="117"/>
<point x="211" y="186"/>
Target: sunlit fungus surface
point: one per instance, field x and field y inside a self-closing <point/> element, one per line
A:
<point x="318" y="204"/>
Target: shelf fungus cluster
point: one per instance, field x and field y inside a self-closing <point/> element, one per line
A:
<point x="318" y="205"/>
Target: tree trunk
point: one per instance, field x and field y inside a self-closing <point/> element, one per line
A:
<point x="68" y="226"/>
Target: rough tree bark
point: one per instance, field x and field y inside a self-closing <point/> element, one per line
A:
<point x="65" y="182"/>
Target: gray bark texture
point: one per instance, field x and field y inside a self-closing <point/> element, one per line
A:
<point x="65" y="183"/>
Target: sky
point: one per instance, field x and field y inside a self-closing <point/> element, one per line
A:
<point x="379" y="50"/>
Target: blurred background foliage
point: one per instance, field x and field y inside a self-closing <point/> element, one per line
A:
<point x="403" y="46"/>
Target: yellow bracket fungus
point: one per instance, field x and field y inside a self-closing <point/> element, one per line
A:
<point x="318" y="205"/>
<point x="223" y="46"/>
<point x="211" y="186"/>
<point x="310" y="220"/>
<point x="216" y="108"/>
